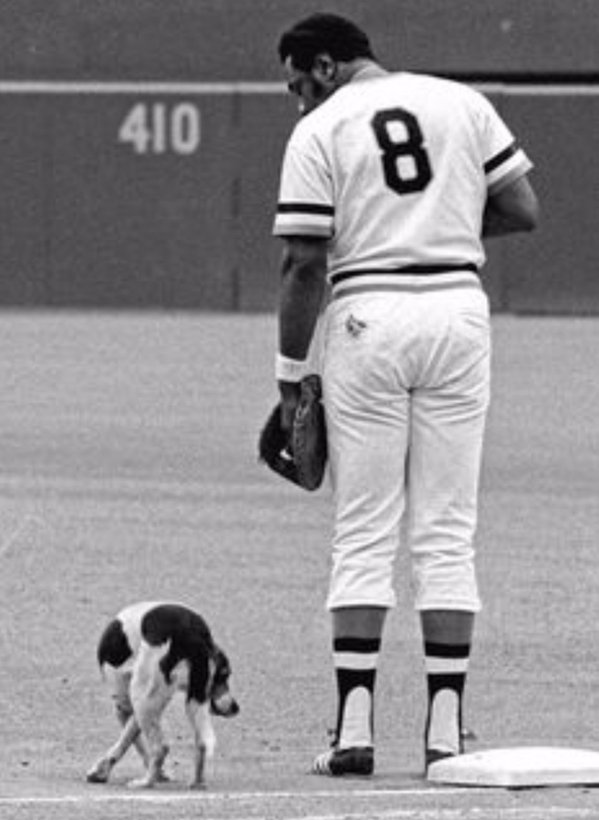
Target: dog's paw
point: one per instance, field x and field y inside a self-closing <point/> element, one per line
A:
<point x="141" y="783"/>
<point x="99" y="772"/>
<point x="197" y="785"/>
<point x="162" y="777"/>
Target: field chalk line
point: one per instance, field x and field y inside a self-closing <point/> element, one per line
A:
<point x="417" y="812"/>
<point x="229" y="797"/>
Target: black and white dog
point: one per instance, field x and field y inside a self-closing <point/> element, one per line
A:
<point x="149" y="651"/>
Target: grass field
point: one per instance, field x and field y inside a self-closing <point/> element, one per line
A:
<point x="128" y="471"/>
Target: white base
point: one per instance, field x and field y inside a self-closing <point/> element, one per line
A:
<point x="519" y="767"/>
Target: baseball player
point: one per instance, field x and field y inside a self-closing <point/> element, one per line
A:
<point x="389" y="183"/>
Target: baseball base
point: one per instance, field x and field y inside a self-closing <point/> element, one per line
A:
<point x="519" y="767"/>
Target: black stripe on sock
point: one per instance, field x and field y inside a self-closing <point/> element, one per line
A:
<point x="446" y="650"/>
<point x="362" y="645"/>
<point x="351" y="678"/>
<point x="449" y="681"/>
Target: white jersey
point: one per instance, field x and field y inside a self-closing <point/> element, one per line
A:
<point x="395" y="172"/>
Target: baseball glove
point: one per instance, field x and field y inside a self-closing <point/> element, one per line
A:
<point x="300" y="457"/>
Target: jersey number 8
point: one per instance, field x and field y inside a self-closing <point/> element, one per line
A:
<point x="394" y="150"/>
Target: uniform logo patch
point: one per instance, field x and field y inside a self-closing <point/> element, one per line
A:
<point x="354" y="326"/>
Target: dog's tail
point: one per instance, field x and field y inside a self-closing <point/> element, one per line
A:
<point x="113" y="648"/>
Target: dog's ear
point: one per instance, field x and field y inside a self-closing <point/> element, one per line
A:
<point x="222" y="701"/>
<point x="222" y="667"/>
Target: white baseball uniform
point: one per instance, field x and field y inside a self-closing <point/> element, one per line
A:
<point x="394" y="171"/>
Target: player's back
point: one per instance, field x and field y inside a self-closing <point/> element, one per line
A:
<point x="407" y="166"/>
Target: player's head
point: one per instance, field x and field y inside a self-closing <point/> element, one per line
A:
<point x="314" y="52"/>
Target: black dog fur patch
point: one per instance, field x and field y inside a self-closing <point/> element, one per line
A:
<point x="114" y="647"/>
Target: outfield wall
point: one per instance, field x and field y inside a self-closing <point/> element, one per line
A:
<point x="232" y="40"/>
<point x="141" y="142"/>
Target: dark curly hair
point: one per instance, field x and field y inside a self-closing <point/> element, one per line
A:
<point x="323" y="32"/>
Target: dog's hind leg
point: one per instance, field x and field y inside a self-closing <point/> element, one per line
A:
<point x="124" y="710"/>
<point x="157" y="748"/>
<point x="144" y="752"/>
<point x="199" y="717"/>
<point x="100" y="771"/>
<point x="141" y="745"/>
<point x="150" y="695"/>
<point x="130" y="732"/>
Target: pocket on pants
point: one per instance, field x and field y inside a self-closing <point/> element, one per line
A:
<point x="473" y="320"/>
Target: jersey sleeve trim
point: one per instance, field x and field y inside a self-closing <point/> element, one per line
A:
<point x="513" y="174"/>
<point x="500" y="158"/>
<point x="506" y="166"/>
<point x="305" y="208"/>
<point x="305" y="218"/>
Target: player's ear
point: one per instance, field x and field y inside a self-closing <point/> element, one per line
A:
<point x="324" y="67"/>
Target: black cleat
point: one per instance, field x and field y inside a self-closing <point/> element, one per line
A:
<point x="358" y="761"/>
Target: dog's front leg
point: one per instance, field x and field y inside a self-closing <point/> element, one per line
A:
<point x="100" y="771"/>
<point x="199" y="717"/>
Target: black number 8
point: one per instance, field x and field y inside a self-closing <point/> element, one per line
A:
<point x="393" y="149"/>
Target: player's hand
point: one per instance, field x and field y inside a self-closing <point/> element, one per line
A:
<point x="290" y="396"/>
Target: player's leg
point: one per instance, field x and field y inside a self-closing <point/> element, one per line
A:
<point x="448" y="419"/>
<point x="361" y="592"/>
<point x="447" y="638"/>
<point x="357" y="634"/>
<point x="367" y="427"/>
<point x="442" y="525"/>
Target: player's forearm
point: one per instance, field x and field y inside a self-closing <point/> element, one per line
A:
<point x="299" y="307"/>
<point x="303" y="279"/>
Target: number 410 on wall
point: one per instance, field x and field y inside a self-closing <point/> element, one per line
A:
<point x="158" y="128"/>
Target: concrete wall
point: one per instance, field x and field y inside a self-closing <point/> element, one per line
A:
<point x="138" y="172"/>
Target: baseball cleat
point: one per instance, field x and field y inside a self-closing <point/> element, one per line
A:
<point x="336" y="762"/>
<point x="433" y="755"/>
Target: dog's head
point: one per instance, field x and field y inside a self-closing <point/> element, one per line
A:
<point x="222" y="701"/>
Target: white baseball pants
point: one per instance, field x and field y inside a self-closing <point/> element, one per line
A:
<point x="406" y="376"/>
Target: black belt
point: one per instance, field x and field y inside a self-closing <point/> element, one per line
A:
<point x="422" y="270"/>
